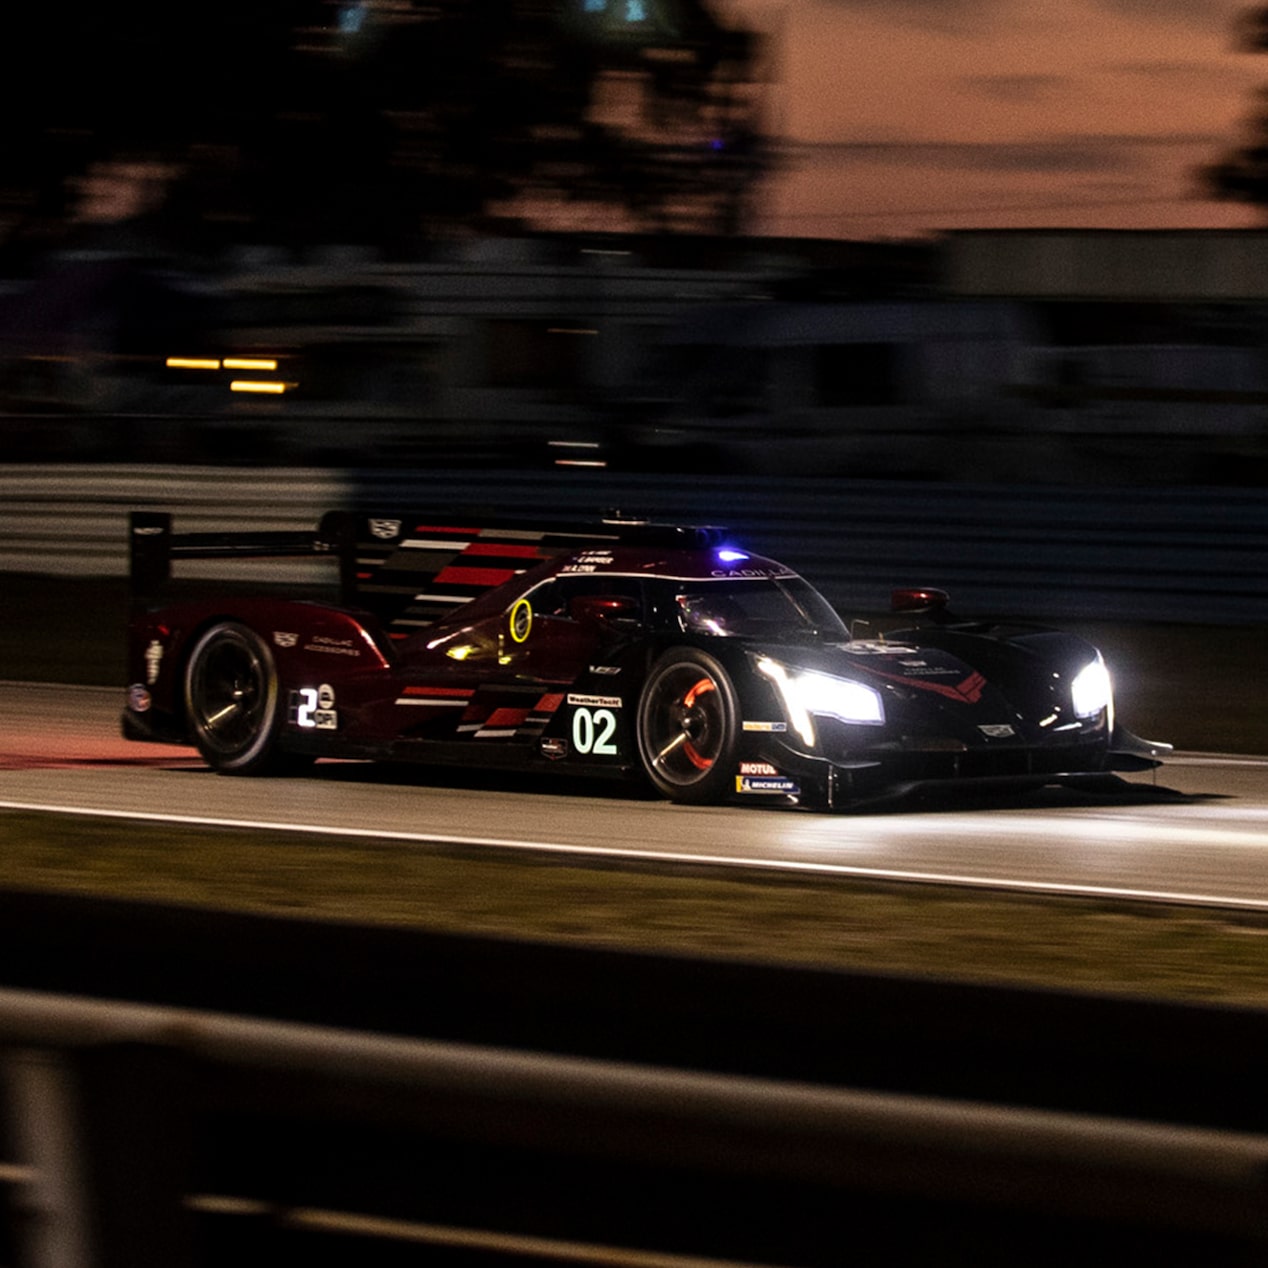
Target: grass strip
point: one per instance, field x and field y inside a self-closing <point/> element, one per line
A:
<point x="1162" y="952"/>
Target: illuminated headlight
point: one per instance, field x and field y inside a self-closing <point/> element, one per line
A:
<point x="1091" y="690"/>
<point x="807" y="694"/>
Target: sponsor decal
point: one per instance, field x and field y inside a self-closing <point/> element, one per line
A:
<point x="520" y="620"/>
<point x="605" y="670"/>
<point x="332" y="646"/>
<point x="765" y="784"/>
<point x="749" y="573"/>
<point x="996" y="730"/>
<point x="153" y="659"/>
<point x="595" y="702"/>
<point x="589" y="561"/>
<point x="306" y="710"/>
<point x="594" y="732"/>
<point x="878" y="647"/>
<point x="554" y="748"/>
<point x="757" y="768"/>
<point x="385" y="529"/>
<point x="138" y="698"/>
<point x="766" y="726"/>
<point x="282" y="639"/>
<point x="922" y="669"/>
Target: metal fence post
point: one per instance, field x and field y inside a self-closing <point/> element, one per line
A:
<point x="134" y="1103"/>
<point x="53" y="1215"/>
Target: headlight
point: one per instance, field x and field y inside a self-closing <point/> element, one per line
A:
<point x="1091" y="690"/>
<point x="806" y="694"/>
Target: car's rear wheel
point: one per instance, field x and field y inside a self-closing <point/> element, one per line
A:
<point x="688" y="726"/>
<point x="232" y="700"/>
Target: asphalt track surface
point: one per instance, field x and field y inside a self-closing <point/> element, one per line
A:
<point x="1195" y="833"/>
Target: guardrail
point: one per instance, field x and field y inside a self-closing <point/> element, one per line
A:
<point x="146" y="1136"/>
<point x="241" y="1089"/>
<point x="1175" y="555"/>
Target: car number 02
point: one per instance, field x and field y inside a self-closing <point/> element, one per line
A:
<point x="592" y="732"/>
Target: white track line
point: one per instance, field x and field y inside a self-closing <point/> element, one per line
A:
<point x="1053" y="888"/>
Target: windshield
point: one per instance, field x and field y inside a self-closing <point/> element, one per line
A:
<point x="789" y="607"/>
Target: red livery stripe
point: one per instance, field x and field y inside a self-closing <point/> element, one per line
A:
<point x="548" y="704"/>
<point x="473" y="576"/>
<point x="971" y="688"/>
<point x="506" y="717"/>
<point x="448" y="692"/>
<point x="501" y="548"/>
<point x="446" y="528"/>
<point x="968" y="691"/>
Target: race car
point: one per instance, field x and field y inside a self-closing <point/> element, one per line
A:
<point x="663" y="653"/>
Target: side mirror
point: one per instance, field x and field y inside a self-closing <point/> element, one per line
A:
<point x="612" y="610"/>
<point x="921" y="601"/>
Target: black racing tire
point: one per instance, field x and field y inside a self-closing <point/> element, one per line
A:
<point x="689" y="727"/>
<point x="233" y="701"/>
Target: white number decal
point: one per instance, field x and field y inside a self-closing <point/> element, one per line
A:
<point x="304" y="714"/>
<point x="592" y="732"/>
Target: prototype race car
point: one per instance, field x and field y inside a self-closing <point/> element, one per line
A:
<point x="658" y="652"/>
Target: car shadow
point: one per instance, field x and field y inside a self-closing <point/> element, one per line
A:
<point x="1107" y="791"/>
<point x="917" y="799"/>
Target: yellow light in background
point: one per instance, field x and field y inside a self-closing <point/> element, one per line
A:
<point x="260" y="386"/>
<point x="192" y="363"/>
<point x="250" y="363"/>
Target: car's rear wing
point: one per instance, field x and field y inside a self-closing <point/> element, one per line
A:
<point x="153" y="546"/>
<point x="409" y="569"/>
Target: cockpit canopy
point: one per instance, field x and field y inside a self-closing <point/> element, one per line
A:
<point x="775" y="608"/>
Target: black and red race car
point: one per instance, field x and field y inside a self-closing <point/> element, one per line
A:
<point x="660" y="652"/>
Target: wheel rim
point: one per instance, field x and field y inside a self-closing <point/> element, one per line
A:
<point x="684" y="725"/>
<point x="229" y="693"/>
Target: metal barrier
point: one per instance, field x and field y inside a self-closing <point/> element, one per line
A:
<point x="1173" y="555"/>
<point x="118" y="1113"/>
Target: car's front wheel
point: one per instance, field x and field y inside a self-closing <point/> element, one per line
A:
<point x="232" y="700"/>
<point x="688" y="726"/>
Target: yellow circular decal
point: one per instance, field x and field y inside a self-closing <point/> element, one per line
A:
<point x="521" y="621"/>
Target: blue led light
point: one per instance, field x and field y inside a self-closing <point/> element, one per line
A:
<point x="729" y="556"/>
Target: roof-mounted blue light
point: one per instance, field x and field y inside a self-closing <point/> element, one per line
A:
<point x="728" y="555"/>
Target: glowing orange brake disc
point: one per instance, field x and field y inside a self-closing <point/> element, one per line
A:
<point x="694" y="756"/>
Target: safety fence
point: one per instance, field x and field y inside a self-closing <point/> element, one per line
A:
<point x="1187" y="555"/>
<point x="160" y="1138"/>
<point x="193" y="1087"/>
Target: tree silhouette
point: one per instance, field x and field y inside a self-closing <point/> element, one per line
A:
<point x="1242" y="174"/>
<point x="384" y="121"/>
